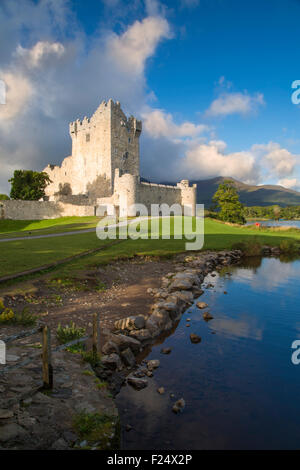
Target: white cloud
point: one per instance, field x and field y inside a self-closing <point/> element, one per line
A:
<point x="279" y="161"/>
<point x="39" y="52"/>
<point x="235" y="103"/>
<point x="290" y="183"/>
<point x="158" y="123"/>
<point x="19" y="91"/>
<point x="138" y="43"/>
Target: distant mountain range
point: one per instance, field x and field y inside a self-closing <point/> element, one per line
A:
<point x="250" y="195"/>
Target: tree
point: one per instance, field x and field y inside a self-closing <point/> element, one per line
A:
<point x="226" y="200"/>
<point x="29" y="185"/>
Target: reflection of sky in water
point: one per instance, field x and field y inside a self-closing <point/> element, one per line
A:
<point x="240" y="387"/>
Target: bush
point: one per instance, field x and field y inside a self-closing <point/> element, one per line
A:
<point x="249" y="248"/>
<point x="288" y="246"/>
<point x="4" y="197"/>
<point x="9" y="317"/>
<point x="68" y="333"/>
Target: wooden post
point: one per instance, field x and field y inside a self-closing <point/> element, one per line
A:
<point x="96" y="334"/>
<point x="46" y="356"/>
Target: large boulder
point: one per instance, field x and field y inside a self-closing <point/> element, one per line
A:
<point x="141" y="335"/>
<point x="130" y="323"/>
<point x="110" y="347"/>
<point x="137" y="382"/>
<point x="125" y="342"/>
<point x="128" y="357"/>
<point x="111" y="361"/>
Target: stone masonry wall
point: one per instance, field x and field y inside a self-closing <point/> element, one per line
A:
<point x="37" y="210"/>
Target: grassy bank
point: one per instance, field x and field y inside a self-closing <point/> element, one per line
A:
<point x="21" y="255"/>
<point x="21" y="228"/>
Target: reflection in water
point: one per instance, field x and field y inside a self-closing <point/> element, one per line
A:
<point x="240" y="387"/>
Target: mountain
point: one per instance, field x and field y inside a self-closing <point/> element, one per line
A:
<point x="250" y="195"/>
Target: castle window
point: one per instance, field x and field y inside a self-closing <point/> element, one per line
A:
<point x="129" y="140"/>
<point x="125" y="156"/>
<point x="87" y="137"/>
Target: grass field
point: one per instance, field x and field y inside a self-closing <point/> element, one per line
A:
<point x="22" y="255"/>
<point x="21" y="228"/>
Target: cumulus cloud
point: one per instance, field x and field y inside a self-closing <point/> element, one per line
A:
<point x="138" y="43"/>
<point x="40" y="52"/>
<point x="59" y="74"/>
<point x="290" y="183"/>
<point x="235" y="103"/>
<point x="279" y="161"/>
<point x="158" y="123"/>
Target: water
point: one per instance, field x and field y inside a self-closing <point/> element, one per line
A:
<point x="276" y="223"/>
<point x="240" y="386"/>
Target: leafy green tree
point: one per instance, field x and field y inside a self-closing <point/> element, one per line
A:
<point x="3" y="197"/>
<point x="29" y="185"/>
<point x="226" y="200"/>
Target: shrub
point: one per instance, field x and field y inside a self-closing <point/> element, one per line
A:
<point x="4" y="197"/>
<point x="68" y="333"/>
<point x="249" y="248"/>
<point x="288" y="246"/>
<point x="9" y="317"/>
<point x="92" y="358"/>
<point x="95" y="428"/>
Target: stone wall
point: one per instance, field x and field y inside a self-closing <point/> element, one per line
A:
<point x="37" y="210"/>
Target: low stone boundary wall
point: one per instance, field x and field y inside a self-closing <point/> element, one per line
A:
<point x="37" y="210"/>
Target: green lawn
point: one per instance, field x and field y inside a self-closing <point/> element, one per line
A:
<point x="21" y="228"/>
<point x="21" y="255"/>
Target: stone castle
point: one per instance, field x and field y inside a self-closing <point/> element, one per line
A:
<point x="103" y="170"/>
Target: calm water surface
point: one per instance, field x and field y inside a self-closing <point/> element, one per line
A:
<point x="276" y="223"/>
<point x="241" y="389"/>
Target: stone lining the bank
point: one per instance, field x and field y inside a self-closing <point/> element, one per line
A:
<point x="178" y="291"/>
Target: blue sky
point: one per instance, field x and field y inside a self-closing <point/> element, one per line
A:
<point x="211" y="80"/>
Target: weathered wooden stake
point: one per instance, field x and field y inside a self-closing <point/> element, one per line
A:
<point x="96" y="334"/>
<point x="46" y="356"/>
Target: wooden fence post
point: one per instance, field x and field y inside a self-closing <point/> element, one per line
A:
<point x="96" y="334"/>
<point x="46" y="356"/>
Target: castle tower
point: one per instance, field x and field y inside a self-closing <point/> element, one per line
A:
<point x="100" y="144"/>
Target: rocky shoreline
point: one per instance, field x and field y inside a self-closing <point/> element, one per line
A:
<point x="134" y="334"/>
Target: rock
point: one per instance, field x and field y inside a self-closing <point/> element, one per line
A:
<point x="11" y="431"/>
<point x="195" y="338"/>
<point x="185" y="296"/>
<point x="112" y="361"/>
<point x="149" y="373"/>
<point x="142" y="335"/>
<point x="197" y="292"/>
<point x="168" y="306"/>
<point x="60" y="444"/>
<point x="181" y="284"/>
<point x="5" y="414"/>
<point x="128" y="357"/>
<point x="201" y="305"/>
<point x="178" y="406"/>
<point x="12" y="358"/>
<point x="166" y="350"/>
<point x="110" y="347"/>
<point x="187" y="325"/>
<point x="125" y="342"/>
<point x="207" y="316"/>
<point x="225" y="292"/>
<point x="161" y="390"/>
<point x="130" y="323"/>
<point x="153" y="364"/>
<point x="137" y="383"/>
<point x="153" y="324"/>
